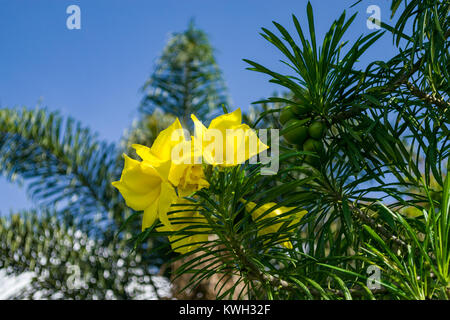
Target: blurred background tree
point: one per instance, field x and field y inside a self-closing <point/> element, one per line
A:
<point x="65" y="263"/>
<point x="186" y="79"/>
<point x="68" y="174"/>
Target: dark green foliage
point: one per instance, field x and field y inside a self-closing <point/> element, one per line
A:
<point x="286" y="114"/>
<point x="64" y="164"/>
<point x="385" y="151"/>
<point x="295" y="132"/>
<point x="387" y="133"/>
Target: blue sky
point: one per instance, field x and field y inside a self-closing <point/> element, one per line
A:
<point x="94" y="74"/>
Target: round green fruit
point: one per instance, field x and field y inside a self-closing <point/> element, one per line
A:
<point x="312" y="145"/>
<point x="296" y="135"/>
<point x="312" y="161"/>
<point x="316" y="130"/>
<point x="286" y="114"/>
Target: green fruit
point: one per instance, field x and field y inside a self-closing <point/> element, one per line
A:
<point x="312" y="161"/>
<point x="436" y="195"/>
<point x="296" y="135"/>
<point x="301" y="110"/>
<point x="286" y="114"/>
<point x="312" y="145"/>
<point x="316" y="130"/>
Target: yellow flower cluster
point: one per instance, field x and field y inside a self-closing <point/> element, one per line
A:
<point x="156" y="182"/>
<point x="171" y="170"/>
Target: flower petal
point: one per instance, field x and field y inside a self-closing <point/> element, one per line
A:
<point x="162" y="168"/>
<point x="166" y="140"/>
<point x="199" y="131"/>
<point x="266" y="211"/>
<point x="139" y="184"/>
<point x="227" y="121"/>
<point x="145" y="153"/>
<point x="139" y="177"/>
<point x="167" y="198"/>
<point x="150" y="215"/>
<point x="137" y="201"/>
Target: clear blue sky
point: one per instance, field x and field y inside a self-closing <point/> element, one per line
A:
<point x="94" y="74"/>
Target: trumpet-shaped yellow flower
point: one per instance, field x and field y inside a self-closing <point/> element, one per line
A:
<point x="227" y="142"/>
<point x="145" y="186"/>
<point x="161" y="150"/>
<point x="148" y="185"/>
<point x="265" y="211"/>
<point x="185" y="173"/>
<point x="186" y="218"/>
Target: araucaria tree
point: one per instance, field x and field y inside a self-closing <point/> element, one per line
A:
<point x="186" y="79"/>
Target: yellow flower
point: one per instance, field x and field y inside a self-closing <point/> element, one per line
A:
<point x="187" y="218"/>
<point x="265" y="210"/>
<point x="145" y="186"/>
<point x="188" y="178"/>
<point x="161" y="150"/>
<point x="227" y="142"/>
<point x="185" y="173"/>
<point x="148" y="185"/>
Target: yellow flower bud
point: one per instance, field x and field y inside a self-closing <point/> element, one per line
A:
<point x="265" y="211"/>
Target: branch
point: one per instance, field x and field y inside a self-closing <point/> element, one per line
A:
<point x="68" y="166"/>
<point x="426" y="97"/>
<point x="376" y="226"/>
<point x="401" y="78"/>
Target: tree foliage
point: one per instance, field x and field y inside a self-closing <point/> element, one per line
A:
<point x="68" y="264"/>
<point x="186" y="78"/>
<point x="65" y="165"/>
